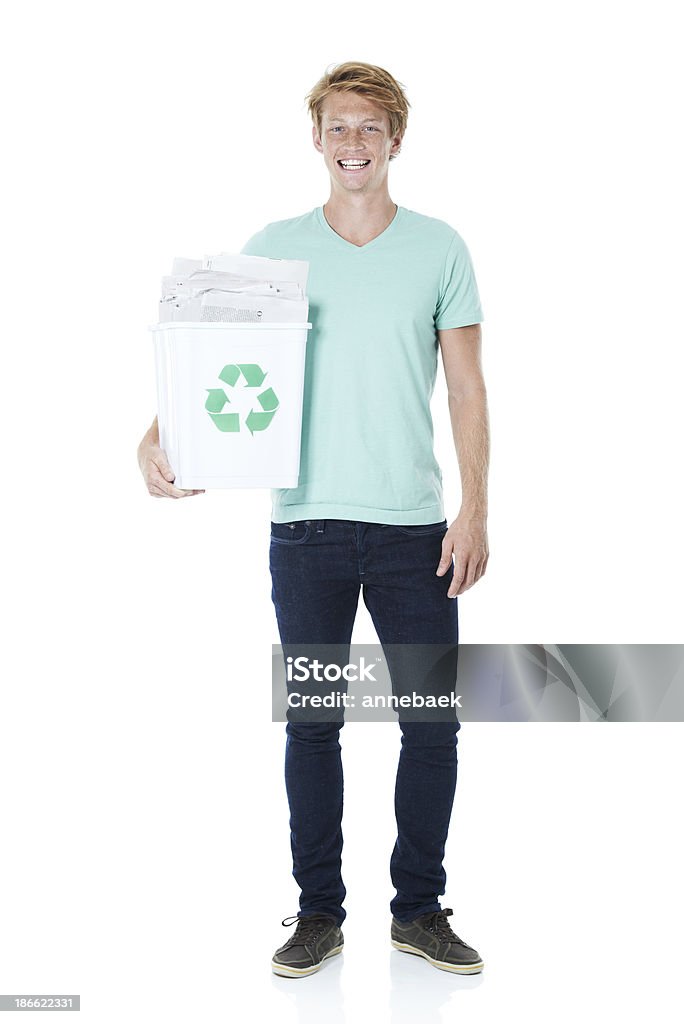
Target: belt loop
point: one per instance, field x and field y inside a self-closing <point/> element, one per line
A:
<point x="320" y="525"/>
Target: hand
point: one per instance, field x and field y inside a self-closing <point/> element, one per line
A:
<point x="466" y="540"/>
<point x="158" y="474"/>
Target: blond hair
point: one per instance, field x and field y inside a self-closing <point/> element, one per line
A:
<point x="367" y="80"/>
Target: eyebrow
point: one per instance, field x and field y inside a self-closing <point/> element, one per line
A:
<point x="341" y="120"/>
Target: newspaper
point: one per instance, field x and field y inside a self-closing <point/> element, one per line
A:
<point x="234" y="288"/>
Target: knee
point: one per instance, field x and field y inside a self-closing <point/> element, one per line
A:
<point x="314" y="735"/>
<point x="443" y="735"/>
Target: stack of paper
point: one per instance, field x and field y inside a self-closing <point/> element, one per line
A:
<point x="235" y="288"/>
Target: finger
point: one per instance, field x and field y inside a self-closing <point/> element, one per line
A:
<point x="469" y="571"/>
<point x="165" y="490"/>
<point x="162" y="464"/>
<point x="479" y="571"/>
<point x="470" y="577"/>
<point x="457" y="579"/>
<point x="168" y="490"/>
<point x="445" y="560"/>
<point x="156" y="478"/>
<point x="186" y="492"/>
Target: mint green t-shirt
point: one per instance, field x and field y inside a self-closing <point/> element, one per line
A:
<point x="367" y="449"/>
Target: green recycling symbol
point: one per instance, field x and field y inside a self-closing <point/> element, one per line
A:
<point x="217" y="399"/>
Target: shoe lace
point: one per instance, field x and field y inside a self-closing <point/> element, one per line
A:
<point x="437" y="924"/>
<point x="307" y="927"/>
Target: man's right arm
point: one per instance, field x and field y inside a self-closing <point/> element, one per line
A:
<point x="154" y="466"/>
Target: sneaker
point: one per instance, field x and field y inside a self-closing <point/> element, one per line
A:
<point x="431" y="937"/>
<point x="314" y="940"/>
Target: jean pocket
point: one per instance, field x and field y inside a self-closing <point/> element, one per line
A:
<point x="423" y="529"/>
<point x="297" y="532"/>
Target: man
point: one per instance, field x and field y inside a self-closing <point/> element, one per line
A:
<point x="387" y="287"/>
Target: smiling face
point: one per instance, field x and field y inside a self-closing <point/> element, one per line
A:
<point x="355" y="141"/>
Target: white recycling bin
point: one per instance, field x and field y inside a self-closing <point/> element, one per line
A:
<point x="229" y="402"/>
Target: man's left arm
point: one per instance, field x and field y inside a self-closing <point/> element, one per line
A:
<point x="466" y="537"/>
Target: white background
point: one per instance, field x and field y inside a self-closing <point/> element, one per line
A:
<point x="145" y="851"/>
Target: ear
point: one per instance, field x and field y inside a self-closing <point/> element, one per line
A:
<point x="316" y="138"/>
<point x="395" y="148"/>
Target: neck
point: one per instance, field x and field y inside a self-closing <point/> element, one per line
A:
<point x="359" y="217"/>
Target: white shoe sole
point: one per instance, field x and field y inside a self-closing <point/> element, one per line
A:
<point x="301" y="972"/>
<point x="473" y="968"/>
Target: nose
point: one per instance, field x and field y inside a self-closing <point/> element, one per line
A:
<point x="356" y="139"/>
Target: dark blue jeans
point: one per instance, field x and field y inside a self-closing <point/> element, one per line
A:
<point x="318" y="568"/>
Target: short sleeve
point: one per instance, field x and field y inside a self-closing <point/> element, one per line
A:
<point x="458" y="302"/>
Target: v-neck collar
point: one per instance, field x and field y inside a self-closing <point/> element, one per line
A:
<point x="351" y="245"/>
